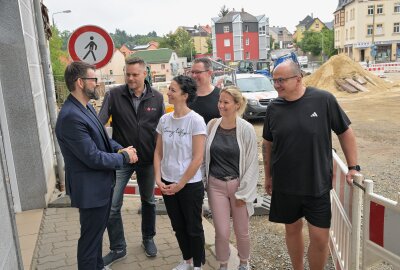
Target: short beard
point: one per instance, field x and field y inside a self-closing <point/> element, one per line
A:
<point x="91" y="93"/>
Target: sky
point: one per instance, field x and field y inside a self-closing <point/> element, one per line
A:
<point x="142" y="17"/>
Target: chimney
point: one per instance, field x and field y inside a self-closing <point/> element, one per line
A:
<point x="242" y="9"/>
<point x="312" y="15"/>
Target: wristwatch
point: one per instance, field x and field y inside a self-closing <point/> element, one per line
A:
<point x="356" y="167"/>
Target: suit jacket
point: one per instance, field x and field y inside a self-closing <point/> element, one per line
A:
<point x="89" y="154"/>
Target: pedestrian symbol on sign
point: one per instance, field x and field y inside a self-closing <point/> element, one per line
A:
<point x="91" y="45"/>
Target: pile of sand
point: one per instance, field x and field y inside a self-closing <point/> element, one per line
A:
<point x="339" y="68"/>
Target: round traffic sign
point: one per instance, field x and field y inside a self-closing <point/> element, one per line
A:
<point x="92" y="45"/>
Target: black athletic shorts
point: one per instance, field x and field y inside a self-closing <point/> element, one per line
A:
<point x="289" y="208"/>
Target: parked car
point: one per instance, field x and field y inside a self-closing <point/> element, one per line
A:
<point x="259" y="91"/>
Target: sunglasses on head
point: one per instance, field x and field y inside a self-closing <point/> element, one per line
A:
<point x="291" y="56"/>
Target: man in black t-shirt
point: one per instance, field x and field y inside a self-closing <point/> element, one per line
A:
<point x="297" y="151"/>
<point x="206" y="103"/>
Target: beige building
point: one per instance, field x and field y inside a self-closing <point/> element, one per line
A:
<point x="361" y="25"/>
<point x="281" y="36"/>
<point x="113" y="72"/>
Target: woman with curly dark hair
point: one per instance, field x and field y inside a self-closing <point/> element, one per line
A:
<point x="177" y="161"/>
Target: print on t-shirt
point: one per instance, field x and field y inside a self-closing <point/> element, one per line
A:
<point x="180" y="131"/>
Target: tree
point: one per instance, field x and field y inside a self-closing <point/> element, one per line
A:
<point x="56" y="53"/>
<point x="120" y="37"/>
<point x="65" y="37"/>
<point x="223" y="11"/>
<point x="181" y="42"/>
<point x="209" y="45"/>
<point x="317" y="42"/>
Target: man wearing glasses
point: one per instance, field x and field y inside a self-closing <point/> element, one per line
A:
<point x="298" y="160"/>
<point x="91" y="159"/>
<point x="206" y="103"/>
<point x="135" y="108"/>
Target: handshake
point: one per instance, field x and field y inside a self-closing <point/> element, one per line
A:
<point x="133" y="158"/>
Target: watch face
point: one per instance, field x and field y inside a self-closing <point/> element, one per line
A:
<point x="357" y="168"/>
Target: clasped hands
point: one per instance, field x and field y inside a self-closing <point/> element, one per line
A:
<point x="170" y="189"/>
<point x="133" y="158"/>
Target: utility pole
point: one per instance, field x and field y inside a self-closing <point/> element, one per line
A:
<point x="373" y="48"/>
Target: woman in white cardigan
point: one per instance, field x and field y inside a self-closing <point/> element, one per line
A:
<point x="231" y="163"/>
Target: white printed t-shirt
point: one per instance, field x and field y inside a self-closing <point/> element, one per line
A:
<point x="177" y="135"/>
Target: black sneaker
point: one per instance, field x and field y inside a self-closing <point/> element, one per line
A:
<point x="114" y="256"/>
<point x="149" y="247"/>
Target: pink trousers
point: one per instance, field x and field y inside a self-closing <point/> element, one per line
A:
<point x="222" y="201"/>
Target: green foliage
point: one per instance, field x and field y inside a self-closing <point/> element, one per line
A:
<point x="271" y="43"/>
<point x="120" y="37"/>
<point x="56" y="52"/>
<point x="65" y="37"/>
<point x="181" y="42"/>
<point x="317" y="42"/>
<point x="209" y="45"/>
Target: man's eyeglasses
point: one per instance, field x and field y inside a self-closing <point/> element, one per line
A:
<point x="197" y="72"/>
<point x="282" y="80"/>
<point x="95" y="79"/>
<point x="292" y="56"/>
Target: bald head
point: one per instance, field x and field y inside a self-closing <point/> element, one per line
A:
<point x="288" y="67"/>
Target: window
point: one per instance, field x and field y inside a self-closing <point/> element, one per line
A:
<point x="370" y="10"/>
<point x="226" y="28"/>
<point x="397" y="8"/>
<point x="261" y="30"/>
<point x="247" y="55"/>
<point x="396" y="28"/>
<point x="247" y="41"/>
<point x="246" y="28"/>
<point x="162" y="66"/>
<point x="346" y="15"/>
<point x="379" y="9"/>
<point x="370" y="30"/>
<point x="379" y="29"/>
<point x="227" y="57"/>
<point x="111" y="72"/>
<point x="316" y="25"/>
<point x="227" y="42"/>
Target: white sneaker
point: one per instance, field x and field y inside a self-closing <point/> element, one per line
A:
<point x="183" y="266"/>
<point x="244" y="267"/>
<point x="197" y="268"/>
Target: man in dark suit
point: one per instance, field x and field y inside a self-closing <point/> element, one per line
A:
<point x="91" y="159"/>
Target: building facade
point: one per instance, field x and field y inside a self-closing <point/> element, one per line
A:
<point x="282" y="38"/>
<point x="368" y="30"/>
<point x="164" y="63"/>
<point x="309" y="23"/>
<point x="27" y="151"/>
<point x="200" y="35"/>
<point x="113" y="72"/>
<point x="240" y="36"/>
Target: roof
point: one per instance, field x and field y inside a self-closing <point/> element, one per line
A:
<point x="196" y="30"/>
<point x="129" y="45"/>
<point x="343" y="3"/>
<point x="141" y="47"/>
<point x="155" y="56"/>
<point x="277" y="29"/>
<point x="246" y="17"/>
<point x="329" y="25"/>
<point x="307" y="21"/>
